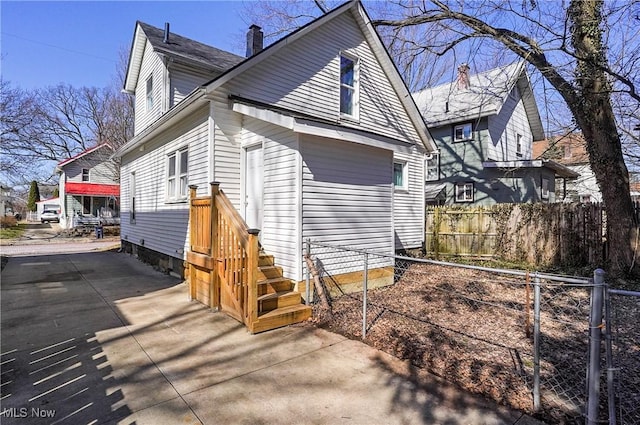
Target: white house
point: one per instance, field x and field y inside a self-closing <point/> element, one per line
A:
<point x="315" y="136"/>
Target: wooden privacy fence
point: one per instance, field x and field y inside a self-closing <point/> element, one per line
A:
<point x="549" y="234"/>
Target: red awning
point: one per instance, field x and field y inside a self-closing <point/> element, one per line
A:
<point x="92" y="189"/>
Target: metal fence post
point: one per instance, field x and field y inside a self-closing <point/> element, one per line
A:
<point x="536" y="343"/>
<point x="611" y="395"/>
<point x="595" y="331"/>
<point x="364" y="294"/>
<point x="307" y="288"/>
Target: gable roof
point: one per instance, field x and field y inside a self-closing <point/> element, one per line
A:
<point x="195" y="98"/>
<point x="179" y="48"/>
<point x="377" y="46"/>
<point x="81" y="154"/>
<point x="486" y="95"/>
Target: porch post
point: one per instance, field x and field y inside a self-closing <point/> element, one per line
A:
<point x="192" y="233"/>
<point x="252" y="278"/>
<point x="214" y="285"/>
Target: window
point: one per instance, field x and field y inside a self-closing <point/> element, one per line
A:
<point x="348" y="86"/>
<point x="464" y="192"/>
<point x="150" y="93"/>
<point x="177" y="179"/>
<point x="432" y="171"/>
<point x="544" y="188"/>
<point x="400" y="175"/>
<point x="462" y="132"/>
<point x="85" y="174"/>
<point x="132" y="188"/>
<point x="519" y="144"/>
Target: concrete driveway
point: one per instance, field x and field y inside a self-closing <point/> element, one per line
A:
<point x="102" y="338"/>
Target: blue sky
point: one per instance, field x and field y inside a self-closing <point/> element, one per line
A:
<point x="78" y="42"/>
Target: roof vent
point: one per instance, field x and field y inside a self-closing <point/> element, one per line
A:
<point x="255" y="39"/>
<point x="463" y="76"/>
<point x="166" y="33"/>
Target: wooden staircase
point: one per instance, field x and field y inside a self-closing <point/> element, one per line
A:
<point x="278" y="303"/>
<point x="228" y="271"/>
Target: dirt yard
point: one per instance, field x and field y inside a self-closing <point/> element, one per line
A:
<point x="475" y="329"/>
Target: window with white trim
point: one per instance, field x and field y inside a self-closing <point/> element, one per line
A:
<point x="400" y="175"/>
<point x="85" y="174"/>
<point x="348" y="86"/>
<point x="464" y="192"/>
<point x="519" y="144"/>
<point x="432" y="168"/>
<point x="177" y="175"/>
<point x="462" y="132"/>
<point x="544" y="188"/>
<point x="149" y="93"/>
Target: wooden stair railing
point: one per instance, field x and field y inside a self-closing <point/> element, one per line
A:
<point x="241" y="281"/>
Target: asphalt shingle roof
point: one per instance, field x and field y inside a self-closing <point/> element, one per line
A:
<point x="190" y="50"/>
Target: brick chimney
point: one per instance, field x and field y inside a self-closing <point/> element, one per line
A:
<point x="254" y="40"/>
<point x="463" y="77"/>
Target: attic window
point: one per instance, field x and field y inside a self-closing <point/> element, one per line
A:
<point x="149" y="93"/>
<point x="462" y="132"/>
<point x="85" y="174"/>
<point x="348" y="86"/>
<point x="519" y="144"/>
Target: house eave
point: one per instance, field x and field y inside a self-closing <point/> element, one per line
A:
<point x="314" y="127"/>
<point x="559" y="169"/>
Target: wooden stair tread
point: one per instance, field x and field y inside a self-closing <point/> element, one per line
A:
<point x="273" y="280"/>
<point x="278" y="294"/>
<point x="284" y="311"/>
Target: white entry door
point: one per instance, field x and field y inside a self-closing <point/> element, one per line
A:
<point x="253" y="188"/>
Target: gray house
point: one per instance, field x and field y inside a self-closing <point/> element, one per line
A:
<point x="485" y="125"/>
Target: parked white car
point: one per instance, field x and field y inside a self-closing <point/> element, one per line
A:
<point x="49" y="216"/>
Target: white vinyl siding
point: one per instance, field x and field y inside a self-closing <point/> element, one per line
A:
<point x="304" y="76"/>
<point x="280" y="233"/>
<point x="408" y="204"/>
<point x="347" y="194"/>
<point x="504" y="129"/>
<point x="164" y="226"/>
<point x="184" y="81"/>
<point x="227" y="128"/>
<point x="152" y="66"/>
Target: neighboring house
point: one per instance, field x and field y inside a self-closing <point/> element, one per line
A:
<point x="570" y="150"/>
<point x="484" y="126"/>
<point x="88" y="187"/>
<point x="5" y="200"/>
<point x="314" y="137"/>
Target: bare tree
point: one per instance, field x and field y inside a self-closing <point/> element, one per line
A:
<point x="42" y="127"/>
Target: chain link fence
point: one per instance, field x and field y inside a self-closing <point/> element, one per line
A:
<point x="520" y="338"/>
<point x="622" y="310"/>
